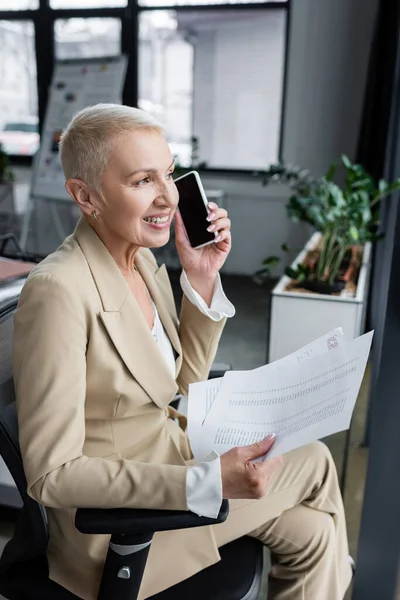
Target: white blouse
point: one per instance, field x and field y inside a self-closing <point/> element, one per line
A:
<point x="203" y="481"/>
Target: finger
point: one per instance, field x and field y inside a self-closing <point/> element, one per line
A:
<point x="219" y="213"/>
<point x="220" y="224"/>
<point x="259" y="448"/>
<point x="212" y="206"/>
<point x="223" y="237"/>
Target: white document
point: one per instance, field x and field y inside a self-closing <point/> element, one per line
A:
<point x="203" y="394"/>
<point x="301" y="398"/>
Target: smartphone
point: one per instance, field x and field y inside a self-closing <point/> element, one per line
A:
<point x="193" y="208"/>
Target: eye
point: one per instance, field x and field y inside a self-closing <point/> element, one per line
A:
<point x="142" y="181"/>
<point x="169" y="175"/>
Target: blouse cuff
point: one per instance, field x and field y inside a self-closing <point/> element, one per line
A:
<point x="204" y="487"/>
<point x="220" y="307"/>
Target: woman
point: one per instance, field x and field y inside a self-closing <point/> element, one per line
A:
<point x="99" y="354"/>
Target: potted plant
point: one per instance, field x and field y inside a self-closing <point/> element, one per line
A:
<point x="327" y="284"/>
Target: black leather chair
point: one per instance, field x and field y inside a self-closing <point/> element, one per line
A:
<point x="23" y="564"/>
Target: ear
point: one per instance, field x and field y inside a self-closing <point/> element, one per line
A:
<point x="82" y="195"/>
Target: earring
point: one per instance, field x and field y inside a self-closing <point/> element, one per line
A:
<point x="94" y="215"/>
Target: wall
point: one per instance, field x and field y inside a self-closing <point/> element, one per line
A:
<point x="259" y="224"/>
<point x="328" y="60"/>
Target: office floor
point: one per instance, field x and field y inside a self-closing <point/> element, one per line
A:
<point x="243" y="345"/>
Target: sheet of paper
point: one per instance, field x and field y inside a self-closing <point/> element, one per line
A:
<point x="200" y="399"/>
<point x="299" y="402"/>
<point x="203" y="394"/>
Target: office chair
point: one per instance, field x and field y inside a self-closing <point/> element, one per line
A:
<point x="23" y="564"/>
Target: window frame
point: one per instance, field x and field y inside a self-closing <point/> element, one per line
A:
<point x="44" y="19"/>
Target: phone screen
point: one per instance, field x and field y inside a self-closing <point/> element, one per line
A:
<point x="193" y="211"/>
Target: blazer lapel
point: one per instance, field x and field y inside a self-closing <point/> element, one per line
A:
<point x="124" y="322"/>
<point x="158" y="285"/>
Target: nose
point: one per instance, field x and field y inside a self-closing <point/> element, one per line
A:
<point x="167" y="194"/>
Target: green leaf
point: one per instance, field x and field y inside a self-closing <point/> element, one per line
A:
<point x="292" y="273"/>
<point x="301" y="276"/>
<point x="366" y="216"/>
<point x="354" y="233"/>
<point x="346" y="162"/>
<point x="382" y="186"/>
<point x="271" y="261"/>
<point x="366" y="182"/>
<point x="364" y="197"/>
<point x="394" y="186"/>
<point x="330" y="172"/>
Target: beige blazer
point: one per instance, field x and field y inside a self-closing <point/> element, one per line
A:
<point x="92" y="393"/>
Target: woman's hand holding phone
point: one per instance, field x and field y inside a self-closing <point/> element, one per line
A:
<point x="208" y="260"/>
<point x="202" y="235"/>
<point x="203" y="264"/>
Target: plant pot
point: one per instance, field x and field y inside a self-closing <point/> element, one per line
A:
<point x="297" y="318"/>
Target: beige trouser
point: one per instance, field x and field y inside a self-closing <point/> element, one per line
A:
<point x="301" y="520"/>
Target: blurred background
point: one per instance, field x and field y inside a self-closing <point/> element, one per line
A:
<point x="261" y="98"/>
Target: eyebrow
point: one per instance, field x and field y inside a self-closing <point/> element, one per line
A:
<point x="146" y="171"/>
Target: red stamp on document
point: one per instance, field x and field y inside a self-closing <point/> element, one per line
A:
<point x="332" y="342"/>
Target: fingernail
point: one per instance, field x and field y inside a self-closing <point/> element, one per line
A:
<point x="211" y="205"/>
<point x="271" y="437"/>
<point x="211" y="228"/>
<point x="211" y="216"/>
<point x="217" y="239"/>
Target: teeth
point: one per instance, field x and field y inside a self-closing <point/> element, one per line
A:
<point x="156" y="219"/>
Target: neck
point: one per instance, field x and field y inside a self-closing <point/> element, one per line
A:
<point x="122" y="251"/>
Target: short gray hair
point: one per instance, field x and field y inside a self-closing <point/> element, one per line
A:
<point x="87" y="143"/>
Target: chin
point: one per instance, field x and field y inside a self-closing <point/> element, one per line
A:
<point x="161" y="241"/>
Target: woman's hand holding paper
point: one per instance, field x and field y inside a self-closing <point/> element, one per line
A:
<point x="244" y="478"/>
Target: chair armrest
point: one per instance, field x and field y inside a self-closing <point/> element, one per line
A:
<point x="131" y="532"/>
<point x="128" y="521"/>
<point x="218" y="370"/>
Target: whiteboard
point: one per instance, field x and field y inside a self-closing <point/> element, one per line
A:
<point x="75" y="85"/>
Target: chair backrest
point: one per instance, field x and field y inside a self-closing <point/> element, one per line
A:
<point x="30" y="536"/>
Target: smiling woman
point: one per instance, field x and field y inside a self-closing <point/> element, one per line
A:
<point x="97" y="320"/>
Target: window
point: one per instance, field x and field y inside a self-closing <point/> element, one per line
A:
<point x="166" y="78"/>
<point x="87" y="38"/>
<point x="212" y="71"/>
<point x="87" y="3"/>
<point x="19" y="4"/>
<point x="18" y="89"/>
<point x="217" y="76"/>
